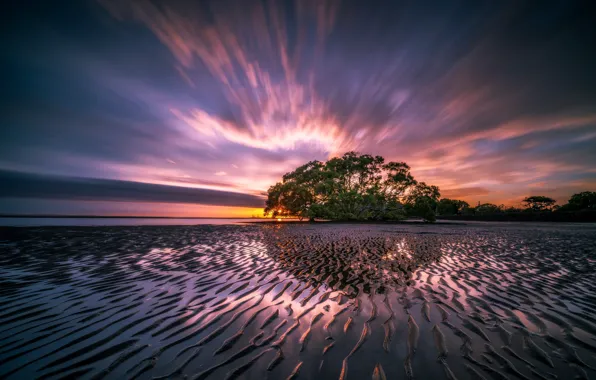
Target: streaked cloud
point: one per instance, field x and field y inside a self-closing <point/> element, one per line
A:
<point x="24" y="185"/>
<point x="257" y="69"/>
<point x="464" y="192"/>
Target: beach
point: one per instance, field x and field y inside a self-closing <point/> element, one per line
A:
<point x="306" y="301"/>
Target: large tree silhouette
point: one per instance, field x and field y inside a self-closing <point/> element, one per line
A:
<point x="352" y="187"/>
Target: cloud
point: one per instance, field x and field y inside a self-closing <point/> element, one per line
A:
<point x="24" y="185"/>
<point x="196" y="182"/>
<point x="464" y="192"/>
<point x="269" y="108"/>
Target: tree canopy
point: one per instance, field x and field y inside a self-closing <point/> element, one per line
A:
<point x="352" y="187"/>
<point x="488" y="208"/>
<point x="365" y="187"/>
<point x="539" y="203"/>
<point x="451" y="206"/>
<point x="585" y="200"/>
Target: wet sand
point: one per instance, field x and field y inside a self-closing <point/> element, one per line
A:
<point x="480" y="301"/>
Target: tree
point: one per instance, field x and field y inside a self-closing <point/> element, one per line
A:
<point x="585" y="200"/>
<point x="451" y="206"/>
<point x="423" y="207"/>
<point x="488" y="208"/>
<point x="351" y="187"/>
<point x="297" y="193"/>
<point x="539" y="203"/>
<point x="422" y="201"/>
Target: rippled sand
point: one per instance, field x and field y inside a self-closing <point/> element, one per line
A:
<point x="299" y="301"/>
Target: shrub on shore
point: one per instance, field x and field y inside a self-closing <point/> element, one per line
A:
<point x="581" y="207"/>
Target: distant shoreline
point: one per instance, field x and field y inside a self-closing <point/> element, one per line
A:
<point x="589" y="217"/>
<point x="294" y="221"/>
<point x="123" y="217"/>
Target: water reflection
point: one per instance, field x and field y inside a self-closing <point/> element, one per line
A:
<point x="271" y="301"/>
<point x="351" y="261"/>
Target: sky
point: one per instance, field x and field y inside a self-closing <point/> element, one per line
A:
<point x="195" y="108"/>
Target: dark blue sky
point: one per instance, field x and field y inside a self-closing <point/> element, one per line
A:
<point x="490" y="100"/>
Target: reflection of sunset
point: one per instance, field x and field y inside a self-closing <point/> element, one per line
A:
<point x="273" y="295"/>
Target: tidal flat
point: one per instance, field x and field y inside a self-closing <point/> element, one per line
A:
<point x="305" y="301"/>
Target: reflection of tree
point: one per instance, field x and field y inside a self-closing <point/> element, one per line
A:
<point x="350" y="260"/>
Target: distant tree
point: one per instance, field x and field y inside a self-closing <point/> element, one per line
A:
<point x="352" y="187"/>
<point x="468" y="211"/>
<point x="539" y="203"/>
<point x="461" y="206"/>
<point x="512" y="209"/>
<point x="451" y="206"/>
<point x="488" y="208"/>
<point x="585" y="200"/>
<point x="422" y="201"/>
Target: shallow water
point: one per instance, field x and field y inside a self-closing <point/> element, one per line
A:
<point x="310" y="301"/>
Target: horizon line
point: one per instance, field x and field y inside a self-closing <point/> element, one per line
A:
<point x="122" y="216"/>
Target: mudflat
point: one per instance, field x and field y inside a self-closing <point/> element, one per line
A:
<point x="299" y="301"/>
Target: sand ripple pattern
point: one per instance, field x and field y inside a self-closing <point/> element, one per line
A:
<point x="299" y="301"/>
